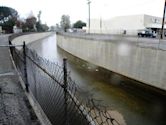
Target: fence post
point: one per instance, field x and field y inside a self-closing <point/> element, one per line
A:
<point x="10" y="43"/>
<point x="11" y="49"/>
<point x="25" y="68"/>
<point x="65" y="89"/>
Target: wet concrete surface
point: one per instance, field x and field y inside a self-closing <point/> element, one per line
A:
<point x="14" y="106"/>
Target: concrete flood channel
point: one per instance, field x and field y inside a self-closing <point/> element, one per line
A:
<point x="137" y="103"/>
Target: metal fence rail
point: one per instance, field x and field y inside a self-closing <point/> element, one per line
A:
<point x="61" y="99"/>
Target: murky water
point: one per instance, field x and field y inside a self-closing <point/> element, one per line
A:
<point x="139" y="104"/>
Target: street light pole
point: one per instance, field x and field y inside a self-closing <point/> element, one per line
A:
<point x="89" y="15"/>
<point x="162" y="29"/>
<point x="100" y="25"/>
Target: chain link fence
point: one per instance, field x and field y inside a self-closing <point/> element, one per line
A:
<point x="61" y="99"/>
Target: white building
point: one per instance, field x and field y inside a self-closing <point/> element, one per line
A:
<point x="16" y="29"/>
<point x="129" y="24"/>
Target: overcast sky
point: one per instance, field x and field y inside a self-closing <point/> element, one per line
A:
<point x="52" y="10"/>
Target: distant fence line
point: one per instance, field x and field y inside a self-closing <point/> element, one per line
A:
<point x="61" y="99"/>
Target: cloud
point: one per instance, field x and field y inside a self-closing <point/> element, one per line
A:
<point x="78" y="9"/>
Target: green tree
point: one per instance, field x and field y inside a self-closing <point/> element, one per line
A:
<point x="45" y="27"/>
<point x="65" y="22"/>
<point x="7" y="12"/>
<point x="8" y="26"/>
<point x="30" y="24"/>
<point x="39" y="26"/>
<point x="8" y="18"/>
<point x="79" y="24"/>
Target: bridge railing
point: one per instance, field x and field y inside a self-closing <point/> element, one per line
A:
<point x="61" y="99"/>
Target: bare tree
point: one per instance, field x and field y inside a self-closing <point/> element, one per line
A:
<point x="65" y="22"/>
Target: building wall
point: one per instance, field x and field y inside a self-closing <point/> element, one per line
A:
<point x="140" y="63"/>
<point x="95" y="26"/>
<point x="148" y="20"/>
<point x="17" y="30"/>
<point x="130" y="22"/>
<point x="117" y="25"/>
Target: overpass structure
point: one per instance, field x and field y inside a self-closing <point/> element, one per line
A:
<point x="140" y="59"/>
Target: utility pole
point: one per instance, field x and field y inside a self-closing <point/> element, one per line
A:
<point x="100" y="25"/>
<point x="89" y="15"/>
<point x="162" y="29"/>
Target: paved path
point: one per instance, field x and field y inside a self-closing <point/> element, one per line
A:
<point x="14" y="105"/>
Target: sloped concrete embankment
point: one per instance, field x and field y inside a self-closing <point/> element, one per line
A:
<point x="28" y="38"/>
<point x="144" y="64"/>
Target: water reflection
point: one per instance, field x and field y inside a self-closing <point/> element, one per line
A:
<point x="138" y="104"/>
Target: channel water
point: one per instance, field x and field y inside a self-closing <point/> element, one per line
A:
<point x="138" y="104"/>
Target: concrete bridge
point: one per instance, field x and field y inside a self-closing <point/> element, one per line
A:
<point x="142" y="59"/>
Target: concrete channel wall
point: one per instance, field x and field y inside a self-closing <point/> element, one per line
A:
<point x="145" y="64"/>
<point x="30" y="38"/>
